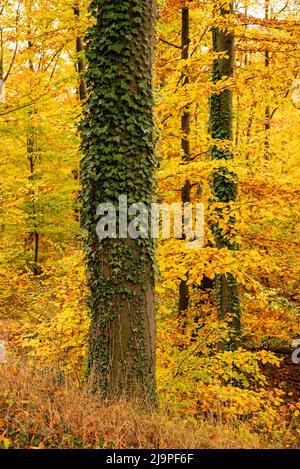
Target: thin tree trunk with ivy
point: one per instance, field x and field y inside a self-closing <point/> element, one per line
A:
<point x="224" y="181"/>
<point x="118" y="149"/>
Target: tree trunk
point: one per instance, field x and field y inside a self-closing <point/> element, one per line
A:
<point x="183" y="302"/>
<point x="185" y="119"/>
<point x="32" y="238"/>
<point x="118" y="149"/>
<point x="224" y="182"/>
<point x="267" y="109"/>
<point x="80" y="62"/>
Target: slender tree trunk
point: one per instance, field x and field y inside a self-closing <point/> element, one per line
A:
<point x="32" y="238"/>
<point x="237" y="130"/>
<point x="82" y="93"/>
<point x="184" y="296"/>
<point x="118" y="149"/>
<point x="267" y="109"/>
<point x="246" y="58"/>
<point x="249" y="129"/>
<point x="80" y="61"/>
<point x="224" y="181"/>
<point x="1" y="55"/>
<point x="185" y="119"/>
<point x="206" y="284"/>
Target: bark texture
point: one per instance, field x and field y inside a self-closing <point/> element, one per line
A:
<point x="224" y="181"/>
<point x="119" y="159"/>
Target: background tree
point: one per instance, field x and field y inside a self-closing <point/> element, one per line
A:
<point x="224" y="181"/>
<point x="183" y="301"/>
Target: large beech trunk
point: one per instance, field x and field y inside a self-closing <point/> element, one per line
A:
<point x="119" y="159"/>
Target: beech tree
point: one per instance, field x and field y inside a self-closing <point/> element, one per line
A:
<point x="184" y="296"/>
<point x="119" y="159"/>
<point x="224" y="181"/>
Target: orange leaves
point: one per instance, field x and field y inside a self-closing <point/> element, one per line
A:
<point x="208" y="261"/>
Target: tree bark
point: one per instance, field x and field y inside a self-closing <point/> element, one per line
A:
<point x="32" y="238"/>
<point x="224" y="181"/>
<point x="184" y="296"/>
<point x="267" y="109"/>
<point x="118" y="147"/>
<point x="80" y="61"/>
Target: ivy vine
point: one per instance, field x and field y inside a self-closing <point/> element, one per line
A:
<point x="119" y="158"/>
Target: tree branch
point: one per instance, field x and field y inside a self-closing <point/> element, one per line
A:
<point x="169" y="43"/>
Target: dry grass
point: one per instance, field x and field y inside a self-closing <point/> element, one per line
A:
<point x="35" y="411"/>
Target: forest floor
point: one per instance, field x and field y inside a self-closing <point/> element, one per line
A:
<point x="287" y="377"/>
<point x="37" y="410"/>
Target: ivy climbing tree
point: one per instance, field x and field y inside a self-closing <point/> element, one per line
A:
<point x="118" y="148"/>
<point x="224" y="180"/>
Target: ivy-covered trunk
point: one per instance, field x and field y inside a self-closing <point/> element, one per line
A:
<point x="224" y="181"/>
<point x="118" y="148"/>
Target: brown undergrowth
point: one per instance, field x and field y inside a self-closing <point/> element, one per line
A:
<point x="39" y="409"/>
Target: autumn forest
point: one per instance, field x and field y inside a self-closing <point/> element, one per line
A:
<point x="149" y="224"/>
